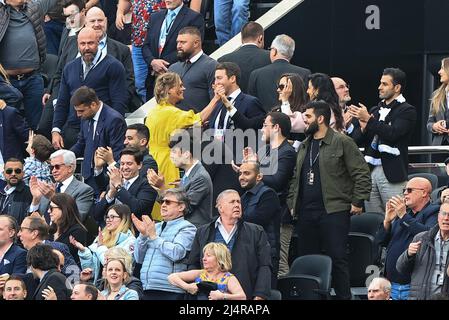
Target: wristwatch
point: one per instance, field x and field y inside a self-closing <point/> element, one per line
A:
<point x="118" y="187"/>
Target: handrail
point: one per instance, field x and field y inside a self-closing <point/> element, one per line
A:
<point x="414" y="150"/>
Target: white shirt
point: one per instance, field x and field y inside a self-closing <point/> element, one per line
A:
<point x="233" y="96"/>
<point x="96" y="117"/>
<point x="190" y="170"/>
<point x="226" y="236"/>
<point x="131" y="181"/>
<point x="196" y="57"/>
<point x="66" y="182"/>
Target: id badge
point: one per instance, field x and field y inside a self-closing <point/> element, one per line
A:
<point x="310" y="178"/>
<point x="219" y="134"/>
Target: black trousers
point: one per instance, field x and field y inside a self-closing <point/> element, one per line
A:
<point x="322" y="233"/>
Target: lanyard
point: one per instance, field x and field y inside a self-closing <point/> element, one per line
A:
<point x="311" y="163"/>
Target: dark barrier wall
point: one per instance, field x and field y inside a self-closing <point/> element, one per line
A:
<point x="357" y="39"/>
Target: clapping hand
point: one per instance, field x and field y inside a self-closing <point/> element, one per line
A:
<point x="146" y="226"/>
<point x="157" y="181"/>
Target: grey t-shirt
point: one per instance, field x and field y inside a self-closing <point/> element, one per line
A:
<point x="18" y="48"/>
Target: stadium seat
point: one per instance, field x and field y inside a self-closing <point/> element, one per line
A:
<point x="275" y="295"/>
<point x="309" y="278"/>
<point x="363" y="250"/>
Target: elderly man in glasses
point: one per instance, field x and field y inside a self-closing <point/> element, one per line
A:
<point x="62" y="166"/>
<point x="405" y="217"/>
<point x="426" y="259"/>
<point x="162" y="248"/>
<point x="15" y="196"/>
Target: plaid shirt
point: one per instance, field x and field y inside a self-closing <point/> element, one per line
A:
<point x="34" y="167"/>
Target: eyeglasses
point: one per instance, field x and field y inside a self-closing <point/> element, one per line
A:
<point x="169" y="202"/>
<point x="111" y="217"/>
<point x="343" y="86"/>
<point x="281" y="86"/>
<point x="16" y="171"/>
<point x="56" y="166"/>
<point x="410" y="190"/>
<point x="51" y="208"/>
<point x="444" y="214"/>
<point x="25" y="228"/>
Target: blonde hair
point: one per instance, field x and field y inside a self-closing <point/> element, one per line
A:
<point x="165" y="82"/>
<point x="117" y="253"/>
<point x="110" y="237"/>
<point x="221" y="253"/>
<point x="438" y="101"/>
<point x="4" y="74"/>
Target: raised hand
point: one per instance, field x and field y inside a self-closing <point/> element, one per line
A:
<point x="413" y="248"/>
<point x="49" y="294"/>
<point x="76" y="244"/>
<point x="157" y="181"/>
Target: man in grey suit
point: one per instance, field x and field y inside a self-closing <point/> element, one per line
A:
<point x="196" y="69"/>
<point x="251" y="55"/>
<point x="196" y="181"/>
<point x="263" y="82"/>
<point x="63" y="165"/>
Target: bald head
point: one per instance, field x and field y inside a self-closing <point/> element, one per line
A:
<point x="96" y="19"/>
<point x="417" y="193"/>
<point x="422" y="183"/>
<point x="88" y="44"/>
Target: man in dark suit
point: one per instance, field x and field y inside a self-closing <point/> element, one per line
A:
<point x="385" y="132"/>
<point x="104" y="74"/>
<point x="101" y="126"/>
<point x="13" y="256"/>
<point x="63" y="165"/>
<point x="251" y="55"/>
<point x="227" y="77"/>
<point x="263" y="82"/>
<point x="44" y="263"/>
<point x="15" y="196"/>
<point x="159" y="49"/>
<point x="127" y="187"/>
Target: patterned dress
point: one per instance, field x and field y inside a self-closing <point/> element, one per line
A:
<point x="142" y="9"/>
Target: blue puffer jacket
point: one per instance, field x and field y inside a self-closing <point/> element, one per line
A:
<point x="165" y="254"/>
<point x="93" y="256"/>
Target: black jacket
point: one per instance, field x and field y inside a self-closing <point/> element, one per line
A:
<point x="17" y="203"/>
<point x="57" y="281"/>
<point x="251" y="262"/>
<point x="395" y="131"/>
<point x="249" y="58"/>
<point x="140" y="198"/>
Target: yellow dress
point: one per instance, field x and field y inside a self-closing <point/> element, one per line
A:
<point x="162" y="121"/>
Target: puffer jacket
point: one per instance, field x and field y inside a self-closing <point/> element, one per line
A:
<point x="93" y="256"/>
<point x="165" y="254"/>
<point x="421" y="266"/>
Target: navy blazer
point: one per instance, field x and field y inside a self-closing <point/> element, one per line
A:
<point x="13" y="133"/>
<point x="14" y="260"/>
<point x="110" y="131"/>
<point x="247" y="105"/>
<point x="150" y="49"/>
<point x="140" y="198"/>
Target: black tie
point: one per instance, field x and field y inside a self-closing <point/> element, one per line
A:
<point x="164" y="224"/>
<point x="91" y="128"/>
<point x="58" y="187"/>
<point x="221" y="124"/>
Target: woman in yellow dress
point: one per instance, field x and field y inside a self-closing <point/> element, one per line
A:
<point x="165" y="118"/>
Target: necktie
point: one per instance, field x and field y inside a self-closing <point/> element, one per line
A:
<point x="91" y="128"/>
<point x="164" y="224"/>
<point x="126" y="185"/>
<point x="87" y="69"/>
<point x="223" y="112"/>
<point x="58" y="187"/>
<point x="184" y="180"/>
<point x="165" y="29"/>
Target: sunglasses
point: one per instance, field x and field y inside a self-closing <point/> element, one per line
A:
<point x="410" y="190"/>
<point x="51" y="208"/>
<point x="16" y="171"/>
<point x="281" y="86"/>
<point x="56" y="166"/>
<point x="168" y="202"/>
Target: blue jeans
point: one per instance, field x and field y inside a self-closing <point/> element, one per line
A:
<point x="32" y="90"/>
<point x="140" y="72"/>
<point x="399" y="291"/>
<point x="229" y="18"/>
